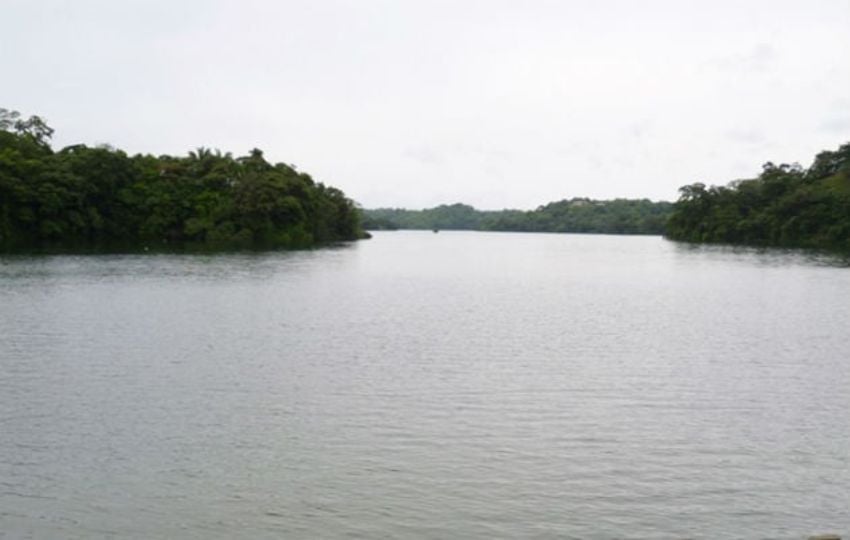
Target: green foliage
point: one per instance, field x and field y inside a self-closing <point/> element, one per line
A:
<point x="83" y="198"/>
<point x="785" y="205"/>
<point x="619" y="216"/>
<point x="455" y="216"/>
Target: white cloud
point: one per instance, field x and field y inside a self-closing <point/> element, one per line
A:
<point x="401" y="103"/>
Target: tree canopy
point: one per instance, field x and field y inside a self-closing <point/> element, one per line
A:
<point x="786" y="205"/>
<point x="577" y="215"/>
<point x="83" y="197"/>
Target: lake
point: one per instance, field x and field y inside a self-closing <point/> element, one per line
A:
<point x="421" y="385"/>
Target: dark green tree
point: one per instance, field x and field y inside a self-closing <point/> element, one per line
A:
<point x="84" y="198"/>
<point x="786" y="205"/>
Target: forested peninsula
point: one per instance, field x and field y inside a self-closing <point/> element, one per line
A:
<point x="91" y="198"/>
<point x="578" y="215"/>
<point x="785" y="206"/>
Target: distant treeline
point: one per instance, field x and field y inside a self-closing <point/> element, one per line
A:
<point x="82" y="198"/>
<point x="619" y="216"/>
<point x="786" y="206"/>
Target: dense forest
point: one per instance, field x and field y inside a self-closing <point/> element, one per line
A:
<point x="786" y="206"/>
<point x="82" y="197"/>
<point x="619" y="216"/>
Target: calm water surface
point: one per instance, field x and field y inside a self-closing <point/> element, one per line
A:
<point x="420" y="385"/>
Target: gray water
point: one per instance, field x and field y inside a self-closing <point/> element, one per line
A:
<point x="420" y="385"/>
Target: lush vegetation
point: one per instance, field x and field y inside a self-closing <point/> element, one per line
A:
<point x="82" y="197"/>
<point x="619" y="216"/>
<point x="455" y="216"/>
<point x="786" y="205"/>
<point x="85" y="197"/>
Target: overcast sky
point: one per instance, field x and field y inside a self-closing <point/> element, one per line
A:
<point x="409" y="103"/>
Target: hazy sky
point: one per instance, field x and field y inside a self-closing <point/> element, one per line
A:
<point x="495" y="103"/>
